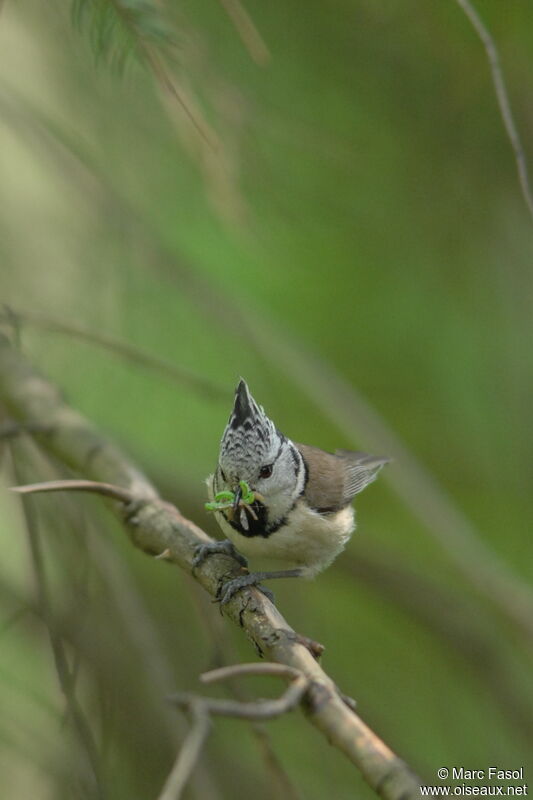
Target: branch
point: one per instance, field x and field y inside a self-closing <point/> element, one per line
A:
<point x="10" y="430"/>
<point x="117" y="27"/>
<point x="225" y="652"/>
<point x="258" y="711"/>
<point x="128" y="352"/>
<point x="188" y="755"/>
<point x="158" y="527"/>
<point x="107" y="489"/>
<point x="502" y="98"/>
<point x="203" y="707"/>
<point x="245" y="27"/>
<point x="63" y="670"/>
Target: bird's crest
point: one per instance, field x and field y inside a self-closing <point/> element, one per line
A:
<point x="249" y="435"/>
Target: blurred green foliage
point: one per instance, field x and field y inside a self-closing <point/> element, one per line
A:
<point x="353" y="195"/>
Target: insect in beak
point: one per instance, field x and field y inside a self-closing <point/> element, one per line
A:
<point x="238" y="497"/>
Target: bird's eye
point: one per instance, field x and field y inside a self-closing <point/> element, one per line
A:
<point x="266" y="471"/>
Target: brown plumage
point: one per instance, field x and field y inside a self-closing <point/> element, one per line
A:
<point x="335" y="478"/>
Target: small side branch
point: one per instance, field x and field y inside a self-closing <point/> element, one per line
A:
<point x="257" y="711"/>
<point x="64" y="673"/>
<point x="124" y="350"/>
<point x="96" y="487"/>
<point x="247" y="30"/>
<point x="502" y="98"/>
<point x="189" y="754"/>
<point x="202" y="708"/>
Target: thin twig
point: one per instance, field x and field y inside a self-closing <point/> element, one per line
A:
<point x="169" y="86"/>
<point x="96" y="487"/>
<point x="123" y="349"/>
<point x="502" y="97"/>
<point x="247" y="30"/>
<point x="233" y="671"/>
<point x="148" y="54"/>
<point x="189" y="753"/>
<point x="80" y="722"/>
<point x="260" y="710"/>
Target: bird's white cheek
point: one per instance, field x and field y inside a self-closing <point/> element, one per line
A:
<point x="277" y="505"/>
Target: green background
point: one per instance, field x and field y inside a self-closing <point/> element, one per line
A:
<point x="353" y="241"/>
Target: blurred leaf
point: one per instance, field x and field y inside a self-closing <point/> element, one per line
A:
<point x="118" y="29"/>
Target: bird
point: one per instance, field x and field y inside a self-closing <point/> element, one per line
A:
<point x="289" y="502"/>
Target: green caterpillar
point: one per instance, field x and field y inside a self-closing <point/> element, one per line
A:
<point x="227" y="499"/>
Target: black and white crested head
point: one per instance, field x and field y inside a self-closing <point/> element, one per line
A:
<point x="253" y="450"/>
<point x="250" y="436"/>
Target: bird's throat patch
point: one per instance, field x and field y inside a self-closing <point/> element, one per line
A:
<point x="256" y="527"/>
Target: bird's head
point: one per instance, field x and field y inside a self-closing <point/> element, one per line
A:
<point x="253" y="450"/>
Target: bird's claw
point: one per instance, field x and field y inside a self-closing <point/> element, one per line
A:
<point x="230" y="588"/>
<point x="225" y="548"/>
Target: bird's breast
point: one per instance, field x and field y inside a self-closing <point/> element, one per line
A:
<point x="306" y="538"/>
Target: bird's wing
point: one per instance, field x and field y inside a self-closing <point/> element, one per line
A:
<point x="333" y="480"/>
<point x="361" y="469"/>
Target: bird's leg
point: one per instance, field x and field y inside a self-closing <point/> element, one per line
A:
<point x="225" y="548"/>
<point x="228" y="589"/>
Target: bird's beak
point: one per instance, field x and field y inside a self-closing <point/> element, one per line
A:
<point x="238" y="495"/>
